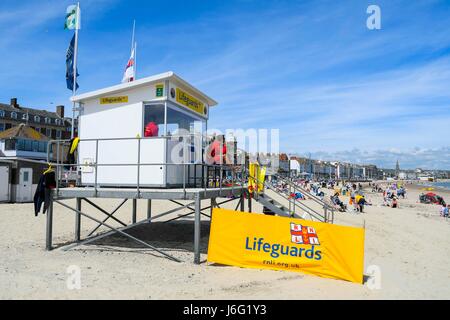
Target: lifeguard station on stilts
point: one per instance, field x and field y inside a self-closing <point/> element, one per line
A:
<point x="144" y="139"/>
<point x="147" y="139"/>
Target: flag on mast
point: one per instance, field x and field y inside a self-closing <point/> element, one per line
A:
<point x="130" y="70"/>
<point x="70" y="66"/>
<point x="129" y="74"/>
<point x="73" y="20"/>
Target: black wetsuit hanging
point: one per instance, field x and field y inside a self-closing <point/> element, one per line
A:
<point x="47" y="182"/>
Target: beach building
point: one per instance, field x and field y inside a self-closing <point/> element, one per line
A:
<point x="53" y="125"/>
<point x="284" y="165"/>
<point x="299" y="167"/>
<point x="147" y="139"/>
<point x="23" y="141"/>
<point x="161" y="111"/>
<point x="294" y="167"/>
<point x="5" y="181"/>
<point x="19" y="179"/>
<point x="22" y="151"/>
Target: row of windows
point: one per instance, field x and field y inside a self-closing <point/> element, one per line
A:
<point x="25" y="145"/>
<point x="25" y="117"/>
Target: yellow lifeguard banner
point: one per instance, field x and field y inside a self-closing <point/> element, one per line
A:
<point x="270" y="242"/>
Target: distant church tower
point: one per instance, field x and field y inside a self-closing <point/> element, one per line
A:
<point x="397" y="169"/>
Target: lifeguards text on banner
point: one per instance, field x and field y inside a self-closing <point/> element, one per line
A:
<point x="270" y="242"/>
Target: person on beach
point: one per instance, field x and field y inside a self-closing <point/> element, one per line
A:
<point x="353" y="198"/>
<point x="361" y="202"/>
<point x="444" y="211"/>
<point x="337" y="202"/>
<point x="394" y="202"/>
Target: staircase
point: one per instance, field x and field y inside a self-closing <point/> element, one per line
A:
<point x="272" y="207"/>
<point x="295" y="187"/>
<point x="294" y="208"/>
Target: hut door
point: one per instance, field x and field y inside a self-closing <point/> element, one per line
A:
<point x="25" y="185"/>
<point x="4" y="184"/>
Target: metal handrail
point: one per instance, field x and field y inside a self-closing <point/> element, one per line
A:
<point x="59" y="163"/>
<point x="325" y="205"/>
<point x="309" y="210"/>
<point x="296" y="186"/>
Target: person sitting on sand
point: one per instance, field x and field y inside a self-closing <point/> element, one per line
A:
<point x="320" y="193"/>
<point x="394" y="203"/>
<point x="337" y="202"/>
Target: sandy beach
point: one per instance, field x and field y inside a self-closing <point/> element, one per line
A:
<point x="409" y="245"/>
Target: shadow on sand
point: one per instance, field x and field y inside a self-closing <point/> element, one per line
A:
<point x="173" y="236"/>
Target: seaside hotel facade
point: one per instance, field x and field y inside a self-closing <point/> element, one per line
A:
<point x="51" y="124"/>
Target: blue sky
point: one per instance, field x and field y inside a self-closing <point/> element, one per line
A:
<point x="309" y="68"/>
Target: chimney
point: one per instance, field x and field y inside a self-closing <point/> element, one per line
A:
<point x="60" y="111"/>
<point x="14" y="103"/>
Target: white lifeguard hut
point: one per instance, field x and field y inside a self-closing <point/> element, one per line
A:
<point x="118" y="160"/>
<point x="114" y="148"/>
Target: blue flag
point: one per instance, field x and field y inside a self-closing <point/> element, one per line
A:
<point x="69" y="65"/>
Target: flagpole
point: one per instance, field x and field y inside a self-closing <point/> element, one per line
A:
<point x="133" y="46"/>
<point x="132" y="37"/>
<point x="74" y="88"/>
<point x="135" y="61"/>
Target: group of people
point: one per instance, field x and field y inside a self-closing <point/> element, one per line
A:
<point x="391" y="194"/>
<point x="357" y="199"/>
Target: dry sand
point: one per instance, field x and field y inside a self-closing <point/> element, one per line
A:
<point x="410" y="245"/>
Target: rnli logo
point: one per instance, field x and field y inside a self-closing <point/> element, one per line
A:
<point x="303" y="235"/>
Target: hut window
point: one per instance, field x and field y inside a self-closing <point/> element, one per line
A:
<point x="182" y="123"/>
<point x="155" y="114"/>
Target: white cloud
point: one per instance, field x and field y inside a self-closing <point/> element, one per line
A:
<point x="438" y="158"/>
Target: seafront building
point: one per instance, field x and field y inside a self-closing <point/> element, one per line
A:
<point x="53" y="125"/>
<point x="319" y="169"/>
<point x="24" y="136"/>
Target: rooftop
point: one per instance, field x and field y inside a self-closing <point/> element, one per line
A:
<point x="23" y="131"/>
<point x="143" y="82"/>
<point x="33" y="112"/>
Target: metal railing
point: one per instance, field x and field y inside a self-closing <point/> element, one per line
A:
<point x="293" y="204"/>
<point x="239" y="173"/>
<point x="187" y="162"/>
<point x="326" y="207"/>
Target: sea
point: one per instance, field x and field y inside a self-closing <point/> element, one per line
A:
<point x="443" y="184"/>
